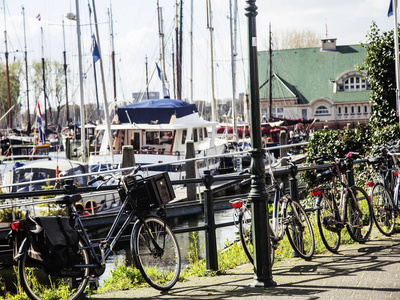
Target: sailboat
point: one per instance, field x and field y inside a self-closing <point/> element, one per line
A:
<point x="158" y="131"/>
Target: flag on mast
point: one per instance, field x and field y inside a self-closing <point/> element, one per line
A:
<point x="42" y="136"/>
<point x="95" y="49"/>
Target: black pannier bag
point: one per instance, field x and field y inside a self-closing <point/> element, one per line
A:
<point x="52" y="242"/>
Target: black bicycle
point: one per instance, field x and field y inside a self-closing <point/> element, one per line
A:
<point x="341" y="206"/>
<point x="154" y="247"/>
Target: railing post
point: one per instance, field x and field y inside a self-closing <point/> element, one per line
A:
<point x="294" y="190"/>
<point x="350" y="173"/>
<point x="258" y="196"/>
<point x="211" y="237"/>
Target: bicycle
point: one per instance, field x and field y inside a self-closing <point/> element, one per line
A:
<point x="154" y="248"/>
<point x="348" y="207"/>
<point x="384" y="192"/>
<point x="288" y="217"/>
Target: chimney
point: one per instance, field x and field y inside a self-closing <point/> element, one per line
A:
<point x="328" y="44"/>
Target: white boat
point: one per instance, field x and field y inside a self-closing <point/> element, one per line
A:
<point x="158" y="131"/>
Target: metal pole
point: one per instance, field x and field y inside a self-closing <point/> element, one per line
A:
<point x="258" y="196"/>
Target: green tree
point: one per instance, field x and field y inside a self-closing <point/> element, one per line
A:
<point x="380" y="67"/>
<point x="14" y="77"/>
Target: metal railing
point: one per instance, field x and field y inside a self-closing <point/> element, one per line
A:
<point x="208" y="180"/>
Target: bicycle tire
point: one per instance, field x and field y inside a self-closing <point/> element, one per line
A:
<point x="245" y="233"/>
<point x="358" y="217"/>
<point x="328" y="218"/>
<point x="299" y="230"/>
<point x="161" y="268"/>
<point x="37" y="284"/>
<point x="383" y="209"/>
<point x="246" y="236"/>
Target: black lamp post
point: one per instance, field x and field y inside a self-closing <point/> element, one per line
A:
<point x="258" y="196"/>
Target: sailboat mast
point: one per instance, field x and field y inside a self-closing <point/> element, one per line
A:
<point x="82" y="109"/>
<point x="106" y="114"/>
<point x="270" y="75"/>
<point x="233" y="24"/>
<point x="26" y="75"/>
<point x="65" y="78"/>
<point x="178" y="40"/>
<point x="162" y="50"/>
<point x="147" y="80"/>
<point x="7" y="68"/>
<point x="94" y="66"/>
<point x="113" y="60"/>
<point x="191" y="51"/>
<point x="44" y="84"/>
<point x="210" y="28"/>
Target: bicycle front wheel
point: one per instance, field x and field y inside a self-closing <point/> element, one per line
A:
<point x="156" y="253"/>
<point x="68" y="284"/>
<point x="358" y="214"/>
<point x="383" y="209"/>
<point x="299" y="230"/>
<point x="246" y="236"/>
<point x="329" y="222"/>
<point x="245" y="233"/>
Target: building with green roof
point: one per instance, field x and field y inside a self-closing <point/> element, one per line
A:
<point x="321" y="83"/>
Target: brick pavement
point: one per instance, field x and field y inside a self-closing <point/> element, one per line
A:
<point x="359" y="271"/>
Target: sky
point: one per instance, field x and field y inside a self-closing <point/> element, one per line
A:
<point x="136" y="37"/>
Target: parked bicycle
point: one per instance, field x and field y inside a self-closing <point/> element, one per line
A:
<point x="384" y="192"/>
<point x="154" y="248"/>
<point x="288" y="217"/>
<point x="338" y="207"/>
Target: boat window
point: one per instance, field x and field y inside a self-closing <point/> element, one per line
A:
<point x="135" y="141"/>
<point x="152" y="137"/>
<point x="195" y="139"/>
<point x="44" y="151"/>
<point x="201" y="134"/>
<point x="166" y="137"/>
<point x="184" y="133"/>
<point x="205" y="133"/>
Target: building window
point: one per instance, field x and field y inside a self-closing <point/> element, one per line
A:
<point x="277" y="112"/>
<point x="355" y="83"/>
<point x="322" y="110"/>
<point x="365" y="109"/>
<point x="346" y="110"/>
<point x="339" y="110"/>
<point x="352" y="110"/>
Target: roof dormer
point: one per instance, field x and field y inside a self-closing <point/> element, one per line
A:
<point x="328" y="44"/>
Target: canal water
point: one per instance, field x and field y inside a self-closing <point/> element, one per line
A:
<point x="225" y="236"/>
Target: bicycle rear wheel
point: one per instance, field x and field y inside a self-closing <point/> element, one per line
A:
<point x="68" y="284"/>
<point x="299" y="230"/>
<point x="328" y="222"/>
<point x="383" y="209"/>
<point x="156" y="253"/>
<point x="358" y="214"/>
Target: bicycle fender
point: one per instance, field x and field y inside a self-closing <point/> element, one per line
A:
<point x="21" y="249"/>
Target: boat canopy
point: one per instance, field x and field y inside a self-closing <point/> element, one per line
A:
<point x="155" y="111"/>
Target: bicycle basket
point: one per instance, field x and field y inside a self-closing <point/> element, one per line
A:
<point x="150" y="192"/>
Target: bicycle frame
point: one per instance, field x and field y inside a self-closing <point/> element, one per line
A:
<point x="107" y="244"/>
